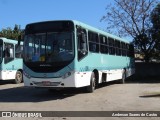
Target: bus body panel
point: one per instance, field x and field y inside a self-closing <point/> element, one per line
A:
<point x="8" y="74"/>
<point x="9" y="69"/>
<point x="67" y="77"/>
<point x="112" y="65"/>
<point x="81" y="71"/>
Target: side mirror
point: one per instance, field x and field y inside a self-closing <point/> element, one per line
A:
<point x="4" y="53"/>
<point x="20" y="38"/>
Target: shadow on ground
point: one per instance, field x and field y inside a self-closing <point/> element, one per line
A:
<point x="3" y="82"/>
<point x="145" y="79"/>
<point x="28" y="94"/>
<point x="23" y="94"/>
<point x="151" y="96"/>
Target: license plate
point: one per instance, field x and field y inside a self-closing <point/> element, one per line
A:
<point x="46" y="83"/>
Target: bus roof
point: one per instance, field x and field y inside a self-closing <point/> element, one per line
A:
<point x="88" y="27"/>
<point x="9" y="40"/>
<point x="99" y="31"/>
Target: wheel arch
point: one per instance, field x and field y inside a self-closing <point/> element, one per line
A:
<point x="20" y="70"/>
<point x="96" y="75"/>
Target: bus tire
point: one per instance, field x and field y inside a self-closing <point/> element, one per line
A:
<point x="123" y="77"/>
<point x="18" y="77"/>
<point x="92" y="85"/>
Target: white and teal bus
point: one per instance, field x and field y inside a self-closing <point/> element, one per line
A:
<point x="68" y="53"/>
<point x="11" y="60"/>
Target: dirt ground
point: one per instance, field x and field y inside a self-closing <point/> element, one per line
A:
<point x="112" y="96"/>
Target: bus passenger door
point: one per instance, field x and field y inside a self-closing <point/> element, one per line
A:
<point x="82" y="43"/>
<point x="8" y="61"/>
<point x="1" y="57"/>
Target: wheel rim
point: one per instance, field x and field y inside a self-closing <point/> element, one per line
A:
<point x="19" y="77"/>
<point x="123" y="76"/>
<point x="93" y="82"/>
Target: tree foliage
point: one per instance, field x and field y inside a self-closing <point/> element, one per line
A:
<point x="131" y="18"/>
<point x="11" y="33"/>
<point x="155" y="18"/>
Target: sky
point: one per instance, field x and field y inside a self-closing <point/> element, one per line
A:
<point x="22" y="12"/>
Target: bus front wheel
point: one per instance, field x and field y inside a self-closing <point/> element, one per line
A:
<point x="18" y="77"/>
<point x="92" y="85"/>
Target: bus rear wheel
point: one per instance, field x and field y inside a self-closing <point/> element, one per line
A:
<point x="92" y="85"/>
<point x="123" y="77"/>
<point x="18" y="77"/>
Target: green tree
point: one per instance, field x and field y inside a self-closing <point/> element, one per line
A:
<point x="131" y="18"/>
<point x="11" y="33"/>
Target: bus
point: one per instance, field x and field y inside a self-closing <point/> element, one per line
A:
<point x="69" y="53"/>
<point x="11" y="60"/>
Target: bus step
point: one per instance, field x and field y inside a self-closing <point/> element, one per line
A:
<point x="104" y="77"/>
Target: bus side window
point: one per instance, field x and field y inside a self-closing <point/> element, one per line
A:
<point x="111" y="46"/>
<point x="124" y="52"/>
<point x="93" y="42"/>
<point x="103" y="44"/>
<point x="82" y="43"/>
<point x="131" y="50"/>
<point x="9" y="52"/>
<point x="118" y="48"/>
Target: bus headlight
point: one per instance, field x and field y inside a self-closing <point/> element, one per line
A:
<point x="66" y="75"/>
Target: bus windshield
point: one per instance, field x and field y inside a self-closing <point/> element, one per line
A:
<point x="49" y="47"/>
<point x="52" y="49"/>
